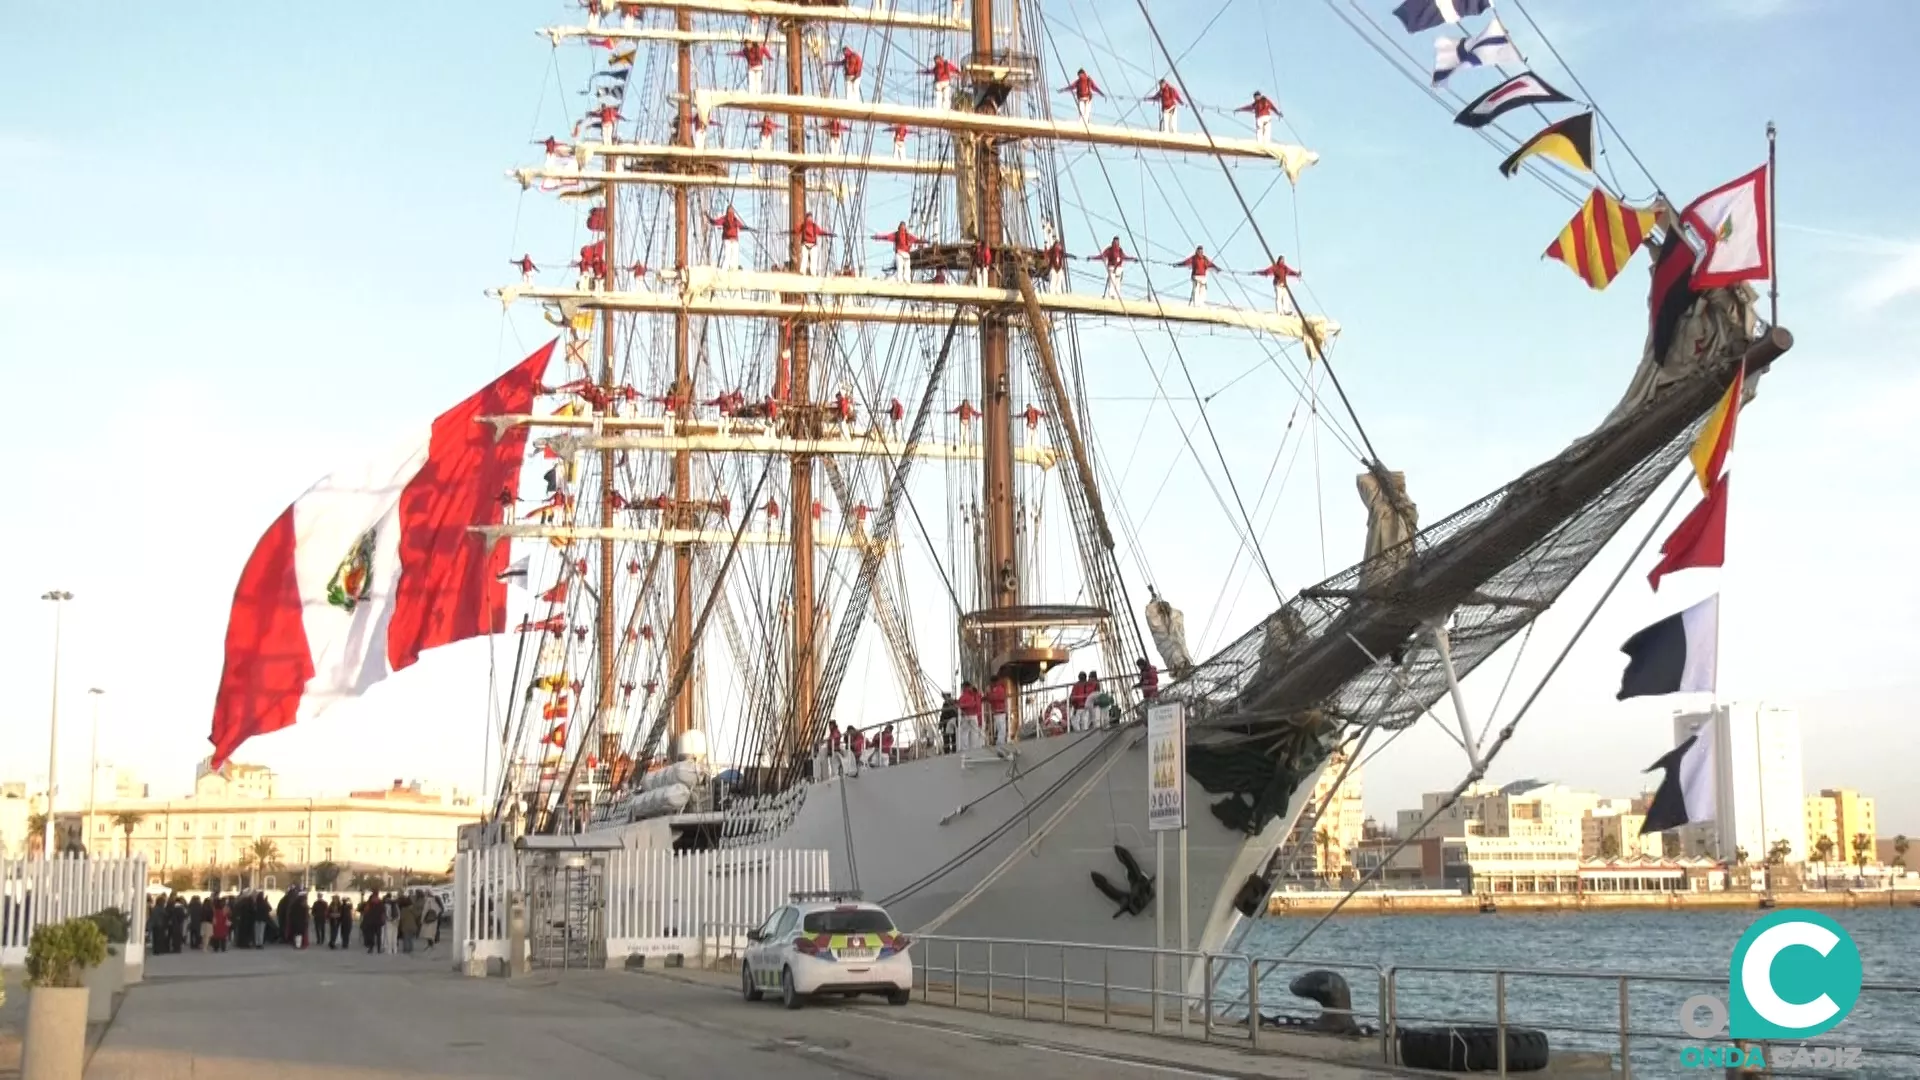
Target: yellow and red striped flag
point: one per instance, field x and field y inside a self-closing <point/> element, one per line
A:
<point x="1709" y="453"/>
<point x="1601" y="238"/>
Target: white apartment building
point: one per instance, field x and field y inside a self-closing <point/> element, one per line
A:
<point x="1323" y="847"/>
<point x="1759" y="790"/>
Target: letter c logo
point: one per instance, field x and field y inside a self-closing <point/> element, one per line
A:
<point x="1756" y="975"/>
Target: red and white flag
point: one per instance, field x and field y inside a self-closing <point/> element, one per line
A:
<point x="1732" y="227"/>
<point x="374" y="565"/>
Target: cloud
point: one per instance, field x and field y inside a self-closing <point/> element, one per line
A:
<point x="1894" y="266"/>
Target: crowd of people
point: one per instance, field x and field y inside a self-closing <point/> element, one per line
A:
<point x="300" y="919"/>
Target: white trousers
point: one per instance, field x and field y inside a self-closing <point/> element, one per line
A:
<point x="699" y="137"/>
<point x="903" y="265"/>
<point x="1115" y="274"/>
<point x="766" y="144"/>
<point x="899" y="149"/>
<point x="943" y="94"/>
<point x="1281" y="302"/>
<point x="833" y="145"/>
<point x="853" y="88"/>
<point x="1262" y="128"/>
<point x="810" y="258"/>
<point x="1057" y="281"/>
<point x="1000" y="729"/>
<point x="1085" y="105"/>
<point x="1169" y="120"/>
<point x="1199" y="294"/>
<point x="980" y="275"/>
<point x="755" y="74"/>
<point x="730" y="254"/>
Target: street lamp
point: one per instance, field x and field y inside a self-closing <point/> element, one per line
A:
<point x="59" y="598"/>
<point x="93" y="764"/>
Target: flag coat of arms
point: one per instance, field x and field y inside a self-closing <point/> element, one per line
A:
<point x="1731" y="225"/>
<point x="1601" y="238"/>
<point x="374" y="565"/>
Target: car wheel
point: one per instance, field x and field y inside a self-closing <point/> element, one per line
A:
<point x="899" y="997"/>
<point x="747" y="989"/>
<point x="788" y="995"/>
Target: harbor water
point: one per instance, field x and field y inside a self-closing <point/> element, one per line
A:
<point x="1697" y="943"/>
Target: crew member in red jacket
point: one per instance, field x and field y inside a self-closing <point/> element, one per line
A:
<point x="903" y="244"/>
<point x="1198" y="264"/>
<point x="730" y="226"/>
<point x="1170" y="102"/>
<point x="970" y="729"/>
<point x="943" y="71"/>
<point x="850" y="63"/>
<point x="1083" y="88"/>
<point x="810" y="235"/>
<point x="1263" y="110"/>
<point x="755" y="54"/>
<point x="1116" y="259"/>
<point x="1280" y="272"/>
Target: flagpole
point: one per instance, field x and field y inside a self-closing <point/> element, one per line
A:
<point x="1773" y="227"/>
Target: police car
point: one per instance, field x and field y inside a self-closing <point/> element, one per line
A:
<point x="826" y="943"/>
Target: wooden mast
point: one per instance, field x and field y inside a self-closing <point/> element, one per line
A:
<point x="680" y="626"/>
<point x="1002" y="587"/>
<point x="804" y="425"/>
<point x="605" y="676"/>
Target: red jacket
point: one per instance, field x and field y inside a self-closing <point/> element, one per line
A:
<point x="1199" y="264"/>
<point x="1166" y="95"/>
<point x="850" y="60"/>
<point x="811" y="232"/>
<point x="997" y="697"/>
<point x="1083" y="87"/>
<point x="970" y="702"/>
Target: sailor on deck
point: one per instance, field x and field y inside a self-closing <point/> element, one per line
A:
<point x="971" y="732"/>
<point x="730" y="226"/>
<point x="997" y="705"/>
<point x="1083" y="88"/>
<point x="1198" y="264"/>
<point x="903" y="243"/>
<point x="1116" y="259"/>
<point x="755" y="54"/>
<point x="899" y="142"/>
<point x="1280" y="272"/>
<point x="850" y="63"/>
<point x="943" y="71"/>
<point x="1170" y="102"/>
<point x="810" y="235"/>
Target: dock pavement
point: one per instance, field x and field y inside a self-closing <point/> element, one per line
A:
<point x="346" y="1015"/>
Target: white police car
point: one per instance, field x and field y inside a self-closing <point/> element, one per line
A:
<point x="826" y="943"/>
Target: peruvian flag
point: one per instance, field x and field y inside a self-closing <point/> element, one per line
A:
<point x="374" y="565"/>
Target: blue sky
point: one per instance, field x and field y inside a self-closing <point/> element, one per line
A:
<point x="242" y="243"/>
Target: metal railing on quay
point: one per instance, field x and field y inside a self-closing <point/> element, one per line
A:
<point x="722" y="941"/>
<point x="1643" y="1021"/>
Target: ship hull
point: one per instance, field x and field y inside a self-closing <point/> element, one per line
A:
<point x="1017" y="863"/>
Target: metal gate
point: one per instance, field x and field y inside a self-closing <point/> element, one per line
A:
<point x="566" y="916"/>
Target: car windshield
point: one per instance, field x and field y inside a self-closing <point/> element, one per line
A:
<point x="857" y="921"/>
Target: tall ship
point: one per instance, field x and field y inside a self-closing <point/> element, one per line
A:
<point x="812" y="456"/>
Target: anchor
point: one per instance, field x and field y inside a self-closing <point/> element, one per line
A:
<point x="1139" y="891"/>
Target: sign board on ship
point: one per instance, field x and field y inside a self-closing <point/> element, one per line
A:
<point x="1166" y="767"/>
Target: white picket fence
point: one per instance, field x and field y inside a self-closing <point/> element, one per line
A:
<point x="36" y="892"/>
<point x="655" y="902"/>
<point x="661" y="902"/>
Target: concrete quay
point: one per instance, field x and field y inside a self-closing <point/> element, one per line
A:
<point x="320" y="1015"/>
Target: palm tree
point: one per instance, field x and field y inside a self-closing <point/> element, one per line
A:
<point x="325" y="874"/>
<point x="1823" y="853"/>
<point x="1900" y="851"/>
<point x="1609" y="847"/>
<point x="36" y="832"/>
<point x="1862" y="851"/>
<point x="126" y="821"/>
<point x="266" y="855"/>
<point x="1325" y="838"/>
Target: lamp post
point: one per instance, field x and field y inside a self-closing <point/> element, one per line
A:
<point x="93" y="765"/>
<point x="59" y="598"/>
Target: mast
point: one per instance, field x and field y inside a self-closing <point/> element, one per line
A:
<point x="1002" y="588"/>
<point x="799" y="380"/>
<point x="603" y="615"/>
<point x="680" y="625"/>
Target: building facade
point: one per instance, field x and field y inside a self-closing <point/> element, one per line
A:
<point x="1759" y="790"/>
<point x="1841" y="816"/>
<point x="1322" y="848"/>
<point x="234" y="814"/>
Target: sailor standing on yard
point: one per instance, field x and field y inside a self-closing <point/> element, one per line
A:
<point x="1263" y="110"/>
<point x="943" y="71"/>
<point x="766" y="128"/>
<point x="1280" y="272"/>
<point x="899" y="142"/>
<point x="850" y="63"/>
<point x="836" y="135"/>
<point x="1083" y="88"/>
<point x="1116" y="259"/>
<point x="755" y="54"/>
<point x="810" y="235"/>
<point x="1198" y="264"/>
<point x="903" y="243"/>
<point x="1170" y="102"/>
<point x="730" y="226"/>
<point x="1057" y="266"/>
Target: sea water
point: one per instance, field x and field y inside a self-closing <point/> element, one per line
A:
<point x="1677" y="943"/>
